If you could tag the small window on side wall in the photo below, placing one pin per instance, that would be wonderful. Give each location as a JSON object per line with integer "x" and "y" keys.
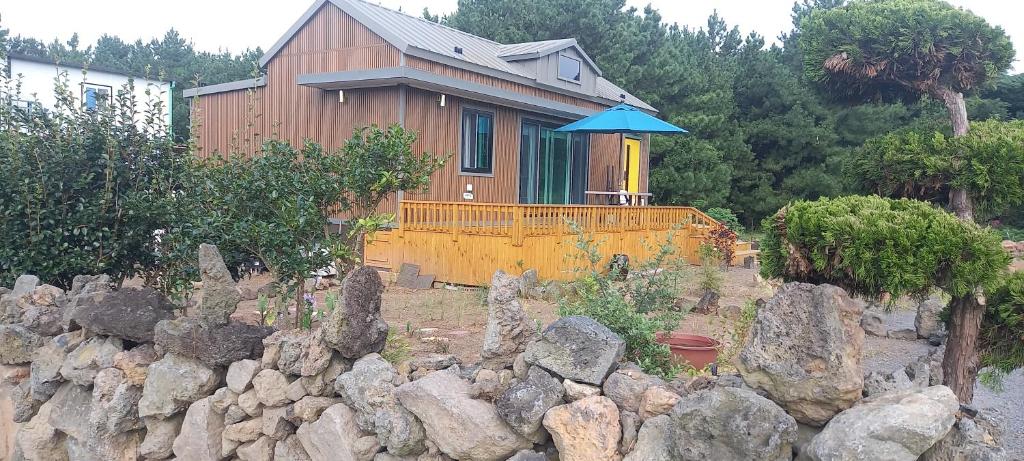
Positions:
{"x": 477, "y": 141}
{"x": 569, "y": 68}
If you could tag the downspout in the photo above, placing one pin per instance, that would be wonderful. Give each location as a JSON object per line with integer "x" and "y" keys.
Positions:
{"x": 170, "y": 110}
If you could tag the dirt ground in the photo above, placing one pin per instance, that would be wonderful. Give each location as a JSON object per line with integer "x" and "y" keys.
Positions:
{"x": 452, "y": 319}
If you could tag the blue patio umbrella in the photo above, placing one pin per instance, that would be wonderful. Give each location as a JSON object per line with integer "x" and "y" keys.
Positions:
{"x": 622, "y": 118}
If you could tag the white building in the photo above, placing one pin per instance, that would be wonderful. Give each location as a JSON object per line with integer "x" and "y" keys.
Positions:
{"x": 96, "y": 86}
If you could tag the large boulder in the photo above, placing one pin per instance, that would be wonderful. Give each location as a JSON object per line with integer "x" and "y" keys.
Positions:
{"x": 508, "y": 328}
{"x": 220, "y": 295}
{"x": 89, "y": 437}
{"x": 585, "y": 430}
{"x": 115, "y": 403}
{"x": 96, "y": 353}
{"x": 626, "y": 387}
{"x": 928, "y": 321}
{"x": 302, "y": 353}
{"x": 523, "y": 404}
{"x": 129, "y": 313}
{"x": 971, "y": 439}
{"x": 462, "y": 427}
{"x": 332, "y": 437}
{"x": 17, "y": 344}
{"x": 201, "y": 433}
{"x": 42, "y": 311}
{"x": 173, "y": 383}
{"x": 727, "y": 423}
{"x": 369, "y": 389}
{"x": 896, "y": 426}
{"x": 805, "y": 351}
{"x": 214, "y": 346}
{"x": 577, "y": 348}
{"x": 355, "y": 327}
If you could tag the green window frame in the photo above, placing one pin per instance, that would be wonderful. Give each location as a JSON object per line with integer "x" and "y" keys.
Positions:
{"x": 477, "y": 151}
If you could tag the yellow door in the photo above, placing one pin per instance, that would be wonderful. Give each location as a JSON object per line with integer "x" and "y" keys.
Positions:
{"x": 631, "y": 165}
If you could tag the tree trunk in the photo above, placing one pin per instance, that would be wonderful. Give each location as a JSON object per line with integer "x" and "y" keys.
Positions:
{"x": 300, "y": 300}
{"x": 960, "y": 202}
{"x": 960, "y": 363}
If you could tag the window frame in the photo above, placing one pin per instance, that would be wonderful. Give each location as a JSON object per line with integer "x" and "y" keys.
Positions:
{"x": 478, "y": 112}
{"x": 579, "y": 73}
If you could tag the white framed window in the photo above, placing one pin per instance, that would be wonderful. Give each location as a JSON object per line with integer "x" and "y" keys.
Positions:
{"x": 569, "y": 68}
{"x": 477, "y": 142}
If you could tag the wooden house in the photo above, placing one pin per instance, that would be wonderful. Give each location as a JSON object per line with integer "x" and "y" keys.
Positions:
{"x": 504, "y": 198}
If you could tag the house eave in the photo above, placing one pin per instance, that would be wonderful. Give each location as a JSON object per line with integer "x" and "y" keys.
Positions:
{"x": 225, "y": 87}
{"x": 393, "y": 76}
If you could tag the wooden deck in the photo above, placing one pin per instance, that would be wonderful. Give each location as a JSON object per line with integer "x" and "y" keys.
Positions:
{"x": 465, "y": 243}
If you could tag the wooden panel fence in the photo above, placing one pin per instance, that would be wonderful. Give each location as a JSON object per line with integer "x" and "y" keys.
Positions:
{"x": 466, "y": 242}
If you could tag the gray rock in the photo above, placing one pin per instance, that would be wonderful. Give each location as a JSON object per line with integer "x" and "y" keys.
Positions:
{"x": 250, "y": 403}
{"x": 731, "y": 424}
{"x": 220, "y": 294}
{"x": 115, "y": 403}
{"x": 804, "y": 351}
{"x": 160, "y": 434}
{"x": 877, "y": 382}
{"x": 24, "y": 285}
{"x": 245, "y": 431}
{"x": 309, "y": 409}
{"x": 17, "y": 344}
{"x": 296, "y": 391}
{"x": 302, "y": 353}
{"x": 928, "y": 321}
{"x": 906, "y": 334}
{"x": 72, "y": 407}
{"x": 275, "y": 423}
{"x": 81, "y": 364}
{"x": 654, "y": 441}
{"x": 333, "y": 436}
{"x": 173, "y": 383}
{"x": 88, "y": 283}
{"x": 462, "y": 427}
{"x": 222, "y": 399}
{"x": 508, "y": 328}
{"x": 899, "y": 425}
{"x": 25, "y": 407}
{"x": 201, "y": 433}
{"x": 129, "y": 313}
{"x": 873, "y": 323}
{"x": 585, "y": 430}
{"x": 369, "y": 389}
{"x": 528, "y": 455}
{"x": 262, "y": 449}
{"x": 45, "y": 375}
{"x": 626, "y": 387}
{"x": 214, "y": 346}
{"x": 45, "y": 319}
{"x": 971, "y": 439}
{"x": 356, "y": 327}
{"x": 290, "y": 449}
{"x": 271, "y": 388}
{"x": 577, "y": 348}
{"x": 240, "y": 374}
{"x": 575, "y": 391}
{"x": 523, "y": 405}
{"x": 234, "y": 414}
{"x": 433, "y": 362}
{"x": 630, "y": 423}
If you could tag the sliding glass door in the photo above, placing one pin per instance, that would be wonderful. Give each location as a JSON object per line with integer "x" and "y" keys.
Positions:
{"x": 552, "y": 165}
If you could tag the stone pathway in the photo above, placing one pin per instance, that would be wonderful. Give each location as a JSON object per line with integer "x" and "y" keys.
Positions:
{"x": 884, "y": 354}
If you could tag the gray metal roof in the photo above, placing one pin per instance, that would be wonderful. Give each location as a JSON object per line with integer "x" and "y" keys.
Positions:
{"x": 427, "y": 39}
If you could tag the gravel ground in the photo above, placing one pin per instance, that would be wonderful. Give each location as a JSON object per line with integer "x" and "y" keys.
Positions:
{"x": 1006, "y": 406}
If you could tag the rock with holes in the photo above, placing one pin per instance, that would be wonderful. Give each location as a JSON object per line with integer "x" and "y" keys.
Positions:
{"x": 201, "y": 433}
{"x": 523, "y": 405}
{"x": 220, "y": 295}
{"x": 805, "y": 351}
{"x": 577, "y": 348}
{"x": 369, "y": 389}
{"x": 130, "y": 313}
{"x": 17, "y": 344}
{"x": 81, "y": 364}
{"x": 508, "y": 328}
{"x": 214, "y": 346}
{"x": 356, "y": 328}
{"x": 38, "y": 440}
{"x": 731, "y": 424}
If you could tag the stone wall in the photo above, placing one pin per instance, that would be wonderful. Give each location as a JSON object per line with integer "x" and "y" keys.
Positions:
{"x": 96, "y": 373}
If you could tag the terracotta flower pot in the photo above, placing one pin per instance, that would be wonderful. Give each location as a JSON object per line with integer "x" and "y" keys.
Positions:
{"x": 697, "y": 350}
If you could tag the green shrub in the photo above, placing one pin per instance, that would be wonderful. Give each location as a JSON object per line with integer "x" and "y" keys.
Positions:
{"x": 83, "y": 191}
{"x": 1002, "y": 338}
{"x": 396, "y": 348}
{"x": 637, "y": 309}
{"x": 726, "y": 217}
{"x": 873, "y": 246}
{"x": 709, "y": 274}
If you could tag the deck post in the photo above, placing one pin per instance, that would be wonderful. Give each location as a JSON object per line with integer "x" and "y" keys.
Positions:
{"x": 517, "y": 225}
{"x": 456, "y": 225}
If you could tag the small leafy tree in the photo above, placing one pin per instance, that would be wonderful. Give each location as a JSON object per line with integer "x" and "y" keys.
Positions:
{"x": 83, "y": 191}
{"x": 726, "y": 218}
{"x": 378, "y": 163}
{"x": 884, "y": 248}
{"x": 1002, "y": 339}
{"x": 906, "y": 49}
{"x": 987, "y": 162}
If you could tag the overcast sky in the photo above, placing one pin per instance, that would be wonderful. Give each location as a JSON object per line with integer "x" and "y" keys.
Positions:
{"x": 238, "y": 24}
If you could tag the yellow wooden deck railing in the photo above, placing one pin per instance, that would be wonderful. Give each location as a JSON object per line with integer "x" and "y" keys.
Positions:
{"x": 521, "y": 221}
{"x": 466, "y": 242}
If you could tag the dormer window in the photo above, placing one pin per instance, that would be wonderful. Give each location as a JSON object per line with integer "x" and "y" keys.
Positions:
{"x": 569, "y": 68}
